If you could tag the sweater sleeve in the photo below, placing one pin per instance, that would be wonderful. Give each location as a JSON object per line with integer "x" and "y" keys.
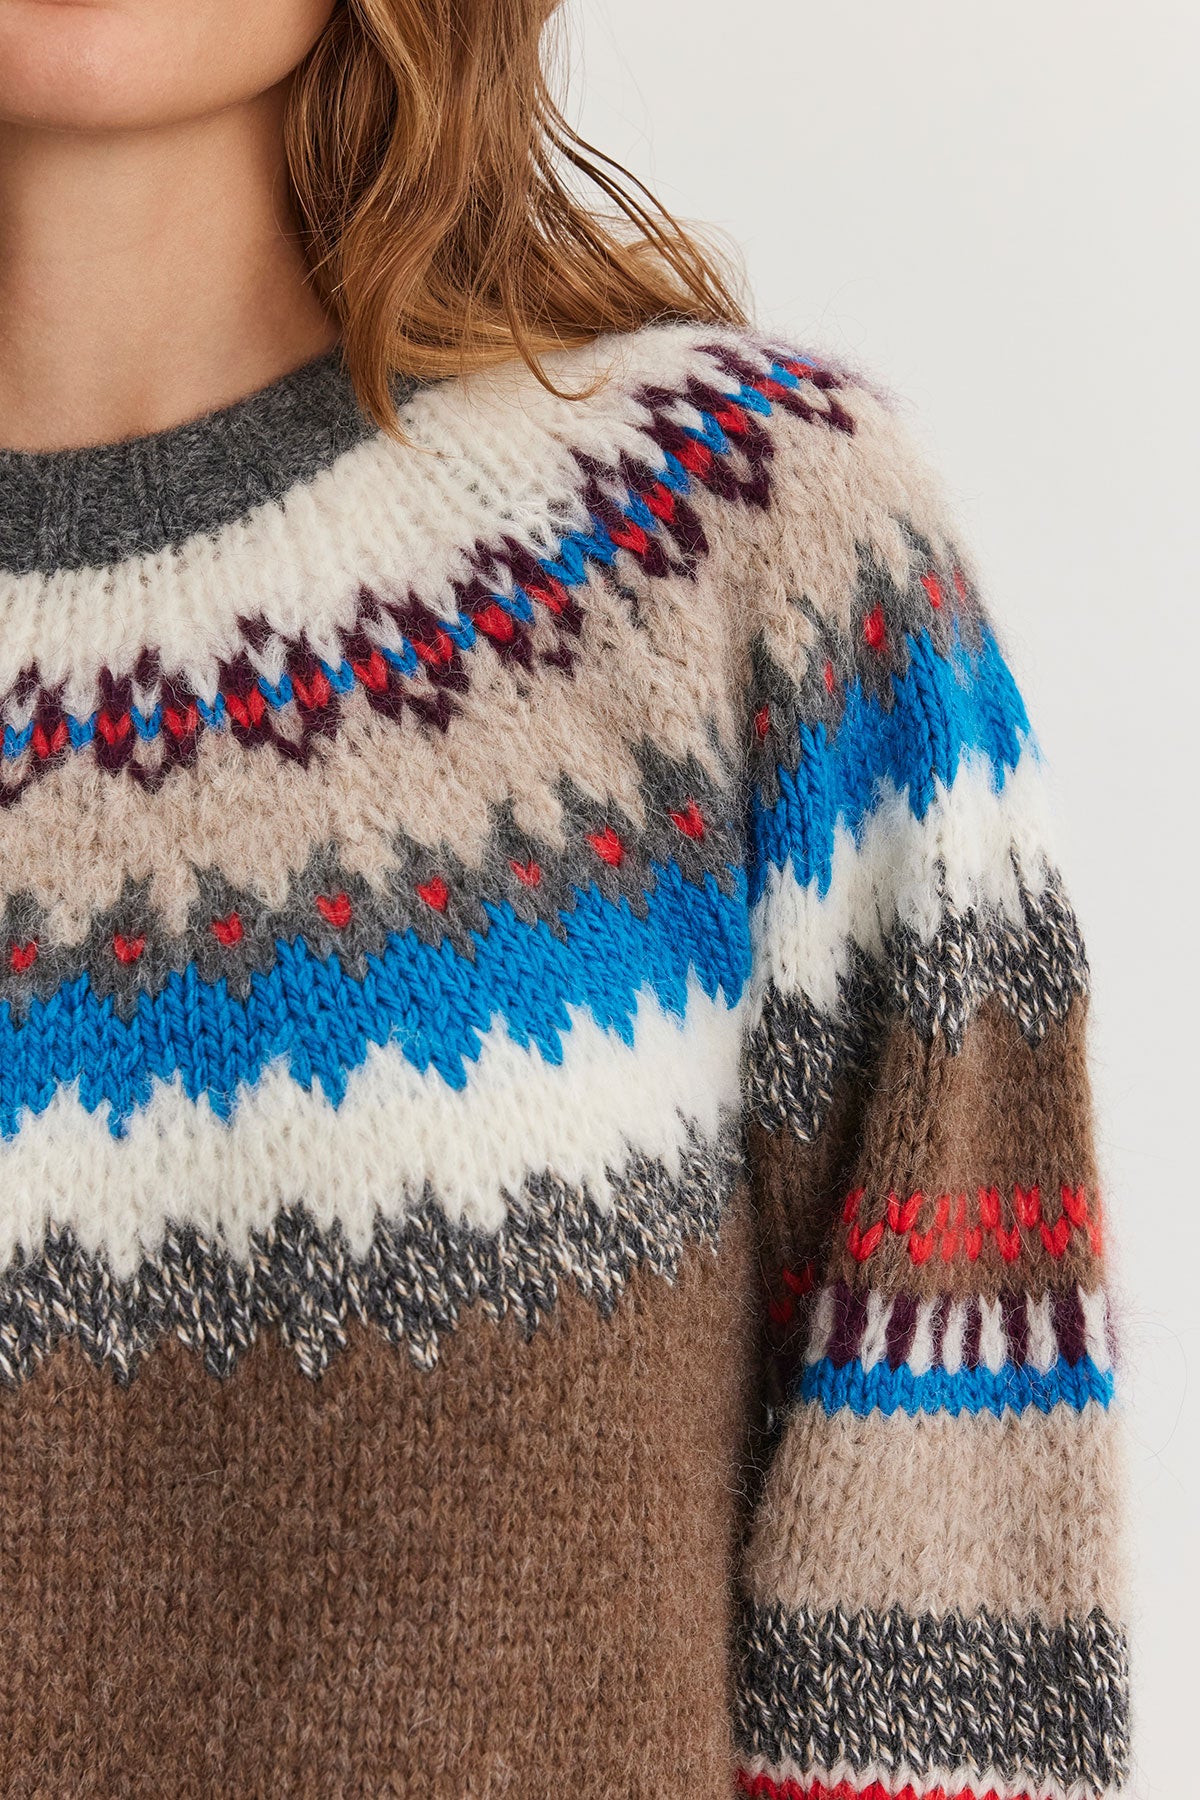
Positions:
{"x": 931, "y": 1591}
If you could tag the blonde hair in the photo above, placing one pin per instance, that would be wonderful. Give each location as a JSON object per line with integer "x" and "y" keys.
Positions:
{"x": 432, "y": 171}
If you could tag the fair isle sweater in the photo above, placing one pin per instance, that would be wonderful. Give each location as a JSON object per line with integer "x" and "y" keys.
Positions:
{"x": 550, "y": 1229}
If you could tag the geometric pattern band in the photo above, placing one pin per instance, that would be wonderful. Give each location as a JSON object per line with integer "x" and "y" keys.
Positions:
{"x": 418, "y": 1276}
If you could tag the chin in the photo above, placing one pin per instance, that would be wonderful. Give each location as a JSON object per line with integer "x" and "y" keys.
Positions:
{"x": 72, "y": 65}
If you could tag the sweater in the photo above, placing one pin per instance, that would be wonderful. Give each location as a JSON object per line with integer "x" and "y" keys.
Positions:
{"x": 549, "y": 1222}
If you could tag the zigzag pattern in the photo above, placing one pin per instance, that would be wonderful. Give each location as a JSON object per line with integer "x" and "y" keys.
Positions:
{"x": 636, "y": 745}
{"x": 1036, "y": 970}
{"x": 132, "y": 1014}
{"x": 943, "y": 708}
{"x": 232, "y": 935}
{"x": 131, "y": 1005}
{"x": 419, "y": 1276}
{"x": 409, "y": 656}
{"x": 1013, "y": 1388}
{"x": 310, "y": 1013}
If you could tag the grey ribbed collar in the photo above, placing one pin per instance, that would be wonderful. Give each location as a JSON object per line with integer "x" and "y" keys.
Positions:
{"x": 72, "y": 509}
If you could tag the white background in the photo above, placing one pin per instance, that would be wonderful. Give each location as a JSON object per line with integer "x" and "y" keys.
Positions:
{"x": 994, "y": 208}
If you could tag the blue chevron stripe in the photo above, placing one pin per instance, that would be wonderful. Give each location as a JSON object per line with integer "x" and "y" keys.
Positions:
{"x": 942, "y": 709}
{"x": 1013, "y": 1388}
{"x": 435, "y": 1002}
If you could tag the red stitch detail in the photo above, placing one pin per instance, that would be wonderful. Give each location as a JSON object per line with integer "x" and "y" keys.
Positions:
{"x": 49, "y": 746}
{"x": 762, "y": 722}
{"x": 23, "y": 956}
{"x": 904, "y": 1217}
{"x": 372, "y": 674}
{"x": 1009, "y": 1242}
{"x": 696, "y": 457}
{"x": 933, "y": 588}
{"x": 952, "y": 1234}
{"x": 495, "y": 622}
{"x": 229, "y": 930}
{"x": 800, "y": 1280}
{"x": 312, "y": 694}
{"x": 874, "y": 628}
{"x": 1056, "y": 1240}
{"x": 780, "y": 1312}
{"x": 830, "y": 678}
{"x": 772, "y": 390}
{"x": 440, "y": 651}
{"x": 608, "y": 846}
{"x": 920, "y": 1245}
{"x": 765, "y": 1787}
{"x": 864, "y": 1244}
{"x": 630, "y": 537}
{"x": 127, "y": 950}
{"x": 435, "y": 893}
{"x": 183, "y": 724}
{"x": 1095, "y": 1231}
{"x": 731, "y": 418}
{"x": 247, "y": 711}
{"x": 553, "y": 596}
{"x": 960, "y": 584}
{"x": 690, "y": 821}
{"x": 661, "y": 502}
{"x": 529, "y": 873}
{"x": 113, "y": 730}
{"x": 989, "y": 1208}
{"x": 336, "y": 908}
{"x": 1075, "y": 1204}
{"x": 1029, "y": 1204}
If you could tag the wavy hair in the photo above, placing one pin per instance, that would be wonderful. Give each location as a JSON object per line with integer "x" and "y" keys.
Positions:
{"x": 439, "y": 194}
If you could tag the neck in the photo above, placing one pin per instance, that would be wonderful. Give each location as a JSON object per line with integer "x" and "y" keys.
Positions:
{"x": 146, "y": 278}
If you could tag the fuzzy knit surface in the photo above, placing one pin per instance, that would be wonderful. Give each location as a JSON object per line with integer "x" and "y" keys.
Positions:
{"x": 550, "y": 1238}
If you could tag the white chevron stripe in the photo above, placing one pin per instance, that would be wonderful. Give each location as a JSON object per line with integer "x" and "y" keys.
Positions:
{"x": 904, "y": 870}
{"x": 397, "y": 1134}
{"x": 394, "y": 518}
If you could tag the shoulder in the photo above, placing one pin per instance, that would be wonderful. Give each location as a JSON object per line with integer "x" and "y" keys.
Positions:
{"x": 788, "y": 455}
{"x": 780, "y": 496}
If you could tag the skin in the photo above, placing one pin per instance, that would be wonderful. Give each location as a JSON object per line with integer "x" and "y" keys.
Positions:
{"x": 149, "y": 264}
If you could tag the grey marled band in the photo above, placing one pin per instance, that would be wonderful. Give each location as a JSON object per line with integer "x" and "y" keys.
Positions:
{"x": 419, "y": 1275}
{"x": 73, "y": 509}
{"x": 985, "y": 1692}
{"x": 1035, "y": 969}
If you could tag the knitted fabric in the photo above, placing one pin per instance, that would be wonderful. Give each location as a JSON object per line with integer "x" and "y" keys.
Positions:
{"x": 550, "y": 1236}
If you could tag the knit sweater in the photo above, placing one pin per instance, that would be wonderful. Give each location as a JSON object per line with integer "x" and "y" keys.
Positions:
{"x": 549, "y": 1226}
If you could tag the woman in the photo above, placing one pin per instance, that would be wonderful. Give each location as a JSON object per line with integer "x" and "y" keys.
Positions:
{"x": 550, "y": 1230}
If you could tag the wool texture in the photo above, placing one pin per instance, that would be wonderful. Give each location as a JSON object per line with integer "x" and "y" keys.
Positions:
{"x": 551, "y": 1238}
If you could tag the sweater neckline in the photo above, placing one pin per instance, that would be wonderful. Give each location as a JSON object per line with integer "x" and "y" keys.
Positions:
{"x": 92, "y": 507}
